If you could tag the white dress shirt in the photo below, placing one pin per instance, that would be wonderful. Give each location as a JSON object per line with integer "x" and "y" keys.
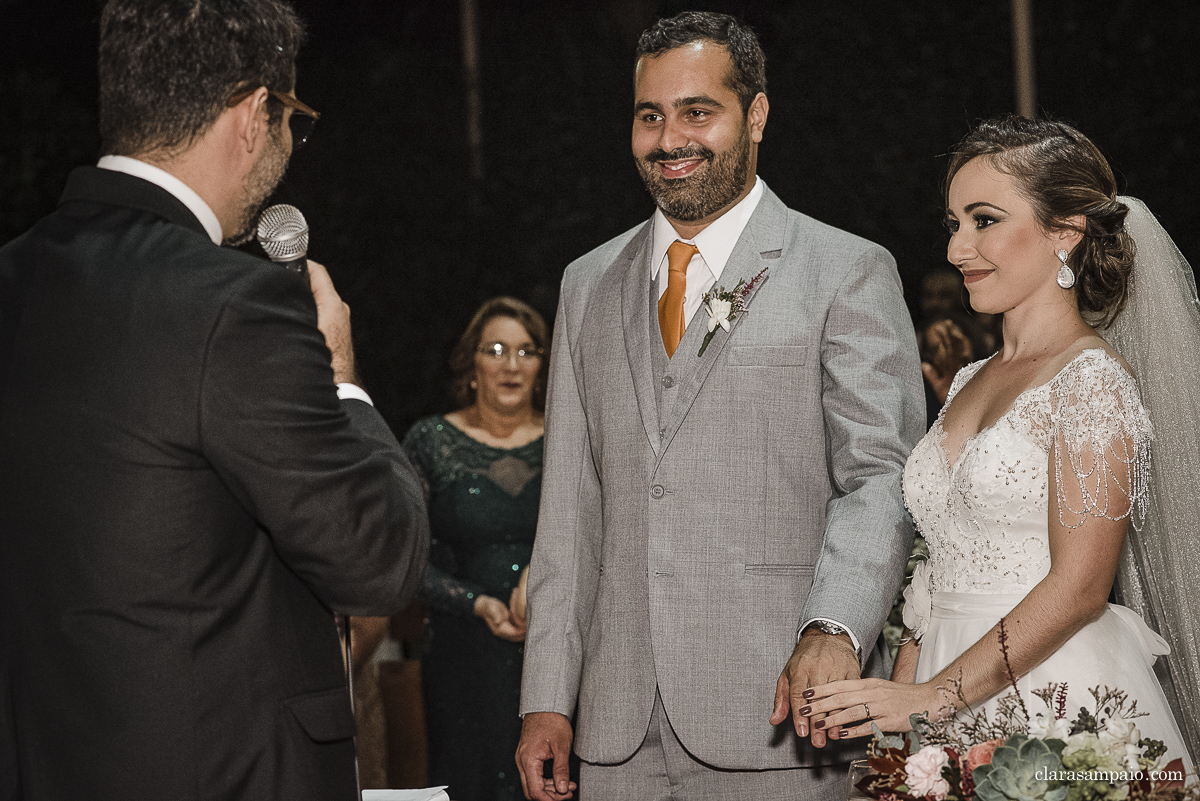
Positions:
{"x": 715, "y": 243}
{"x": 204, "y": 213}
{"x": 160, "y": 177}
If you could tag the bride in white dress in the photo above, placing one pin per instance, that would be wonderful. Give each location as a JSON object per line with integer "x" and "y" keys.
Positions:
{"x": 1025, "y": 485}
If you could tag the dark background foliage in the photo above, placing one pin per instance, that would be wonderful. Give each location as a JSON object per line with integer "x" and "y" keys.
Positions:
{"x": 866, "y": 98}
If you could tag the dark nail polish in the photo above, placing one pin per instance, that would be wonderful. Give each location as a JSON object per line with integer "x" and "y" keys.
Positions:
{"x": 818, "y": 724}
{"x": 806, "y": 710}
{"x": 845, "y": 733}
{"x": 809, "y": 693}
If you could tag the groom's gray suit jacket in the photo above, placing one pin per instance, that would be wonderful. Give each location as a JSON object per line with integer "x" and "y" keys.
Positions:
{"x": 696, "y": 510}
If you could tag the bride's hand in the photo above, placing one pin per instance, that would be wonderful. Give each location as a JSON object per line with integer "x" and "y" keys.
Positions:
{"x": 850, "y": 707}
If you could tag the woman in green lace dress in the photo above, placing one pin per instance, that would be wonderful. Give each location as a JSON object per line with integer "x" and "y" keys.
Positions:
{"x": 483, "y": 467}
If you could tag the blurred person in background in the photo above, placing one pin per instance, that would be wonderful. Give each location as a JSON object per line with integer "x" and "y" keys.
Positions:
{"x": 945, "y": 347}
{"x": 944, "y": 350}
{"x": 941, "y": 295}
{"x": 483, "y": 467}
{"x": 950, "y": 335}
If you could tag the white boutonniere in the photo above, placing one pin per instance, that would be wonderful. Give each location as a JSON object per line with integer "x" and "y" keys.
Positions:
{"x": 718, "y": 314}
{"x": 724, "y": 305}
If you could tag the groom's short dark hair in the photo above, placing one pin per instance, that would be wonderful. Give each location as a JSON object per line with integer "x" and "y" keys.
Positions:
{"x": 748, "y": 75}
{"x": 168, "y": 67}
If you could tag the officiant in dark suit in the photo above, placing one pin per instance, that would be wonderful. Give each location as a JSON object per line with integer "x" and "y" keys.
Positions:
{"x": 191, "y": 481}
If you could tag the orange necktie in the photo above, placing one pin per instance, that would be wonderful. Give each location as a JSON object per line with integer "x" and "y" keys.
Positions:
{"x": 670, "y": 305}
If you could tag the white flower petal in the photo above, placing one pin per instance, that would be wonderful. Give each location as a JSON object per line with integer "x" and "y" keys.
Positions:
{"x": 725, "y": 325}
{"x": 918, "y": 601}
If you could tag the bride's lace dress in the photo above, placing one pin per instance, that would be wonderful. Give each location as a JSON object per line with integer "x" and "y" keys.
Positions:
{"x": 985, "y": 517}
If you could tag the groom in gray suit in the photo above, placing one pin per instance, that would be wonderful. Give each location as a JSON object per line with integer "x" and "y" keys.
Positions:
{"x": 721, "y": 520}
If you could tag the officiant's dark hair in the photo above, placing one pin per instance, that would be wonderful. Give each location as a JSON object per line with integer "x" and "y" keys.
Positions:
{"x": 1063, "y": 175}
{"x": 748, "y": 75}
{"x": 168, "y": 67}
{"x": 462, "y": 357}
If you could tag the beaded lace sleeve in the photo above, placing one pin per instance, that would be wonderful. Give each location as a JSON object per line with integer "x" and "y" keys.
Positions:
{"x": 1099, "y": 441}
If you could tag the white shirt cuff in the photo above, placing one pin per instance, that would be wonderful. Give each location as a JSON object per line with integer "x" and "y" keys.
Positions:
{"x": 355, "y": 392}
{"x": 853, "y": 639}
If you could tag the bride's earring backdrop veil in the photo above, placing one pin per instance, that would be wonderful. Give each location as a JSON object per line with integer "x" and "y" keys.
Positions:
{"x": 1158, "y": 333}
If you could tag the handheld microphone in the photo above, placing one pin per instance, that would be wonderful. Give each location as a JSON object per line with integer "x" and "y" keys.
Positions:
{"x": 283, "y": 234}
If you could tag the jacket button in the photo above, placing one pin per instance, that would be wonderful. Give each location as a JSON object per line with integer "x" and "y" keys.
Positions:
{"x": 668, "y": 381}
{"x": 657, "y": 491}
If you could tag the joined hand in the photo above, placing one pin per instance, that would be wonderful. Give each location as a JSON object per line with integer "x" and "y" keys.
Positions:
{"x": 818, "y": 658}
{"x": 850, "y": 707}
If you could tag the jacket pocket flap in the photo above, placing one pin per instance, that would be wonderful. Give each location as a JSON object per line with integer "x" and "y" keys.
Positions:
{"x": 325, "y": 716}
{"x": 779, "y": 570}
{"x": 768, "y": 355}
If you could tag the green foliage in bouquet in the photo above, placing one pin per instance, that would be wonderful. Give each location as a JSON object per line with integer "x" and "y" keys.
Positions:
{"x": 1016, "y": 768}
{"x": 908, "y": 742}
{"x": 1087, "y": 760}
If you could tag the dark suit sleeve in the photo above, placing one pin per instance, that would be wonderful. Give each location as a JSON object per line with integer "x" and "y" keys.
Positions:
{"x": 325, "y": 478}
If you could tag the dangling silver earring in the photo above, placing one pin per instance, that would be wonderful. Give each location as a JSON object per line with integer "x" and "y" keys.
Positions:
{"x": 1066, "y": 278}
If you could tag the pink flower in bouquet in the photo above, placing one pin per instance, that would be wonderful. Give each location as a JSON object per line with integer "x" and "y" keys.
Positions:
{"x": 980, "y": 754}
{"x": 924, "y": 770}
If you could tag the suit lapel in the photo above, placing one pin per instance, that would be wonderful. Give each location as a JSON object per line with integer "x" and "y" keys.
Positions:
{"x": 635, "y": 287}
{"x": 759, "y": 246}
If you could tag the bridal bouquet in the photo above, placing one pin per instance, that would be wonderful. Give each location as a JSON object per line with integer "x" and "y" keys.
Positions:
{"x": 1098, "y": 755}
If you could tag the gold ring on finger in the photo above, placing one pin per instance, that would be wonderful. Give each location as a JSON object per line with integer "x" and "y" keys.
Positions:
{"x": 867, "y": 709}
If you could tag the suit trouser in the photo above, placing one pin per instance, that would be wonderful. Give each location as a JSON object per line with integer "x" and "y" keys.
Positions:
{"x": 662, "y": 769}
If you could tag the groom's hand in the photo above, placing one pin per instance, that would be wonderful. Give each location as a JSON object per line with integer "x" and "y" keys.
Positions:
{"x": 817, "y": 658}
{"x": 545, "y": 737}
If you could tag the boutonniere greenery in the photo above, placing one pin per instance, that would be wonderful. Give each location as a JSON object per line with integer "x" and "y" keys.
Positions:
{"x": 724, "y": 305}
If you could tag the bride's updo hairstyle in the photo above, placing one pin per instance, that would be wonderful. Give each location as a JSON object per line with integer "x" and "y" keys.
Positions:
{"x": 1062, "y": 175}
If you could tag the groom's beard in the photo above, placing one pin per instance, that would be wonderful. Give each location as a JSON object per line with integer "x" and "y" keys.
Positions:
{"x": 709, "y": 188}
{"x": 264, "y": 177}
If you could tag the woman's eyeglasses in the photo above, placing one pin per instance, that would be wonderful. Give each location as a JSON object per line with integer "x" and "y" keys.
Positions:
{"x": 498, "y": 351}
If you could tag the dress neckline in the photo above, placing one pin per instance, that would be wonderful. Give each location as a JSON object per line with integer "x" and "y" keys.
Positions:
{"x": 463, "y": 434}
{"x": 940, "y": 441}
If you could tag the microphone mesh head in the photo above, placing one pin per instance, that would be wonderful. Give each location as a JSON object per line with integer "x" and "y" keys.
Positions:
{"x": 283, "y": 233}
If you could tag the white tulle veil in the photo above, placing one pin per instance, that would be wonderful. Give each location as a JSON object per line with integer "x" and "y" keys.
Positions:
{"x": 1158, "y": 333}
